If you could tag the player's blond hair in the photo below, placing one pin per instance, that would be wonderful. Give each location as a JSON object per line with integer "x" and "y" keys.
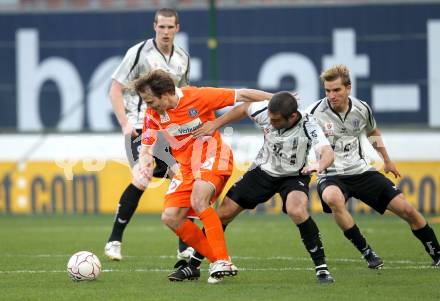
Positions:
{"x": 335, "y": 72}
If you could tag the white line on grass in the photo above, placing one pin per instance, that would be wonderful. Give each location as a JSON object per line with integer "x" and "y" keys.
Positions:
{"x": 255, "y": 258}
{"x": 241, "y": 270}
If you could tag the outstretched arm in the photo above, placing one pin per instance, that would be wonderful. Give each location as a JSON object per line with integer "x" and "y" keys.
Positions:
{"x": 376, "y": 141}
{"x": 252, "y": 95}
{"x": 236, "y": 113}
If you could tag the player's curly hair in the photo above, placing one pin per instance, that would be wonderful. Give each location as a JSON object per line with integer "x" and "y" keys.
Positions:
{"x": 284, "y": 103}
{"x": 158, "y": 82}
{"x": 335, "y": 72}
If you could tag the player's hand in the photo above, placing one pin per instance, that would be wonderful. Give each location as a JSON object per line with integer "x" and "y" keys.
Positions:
{"x": 391, "y": 167}
{"x": 310, "y": 168}
{"x": 207, "y": 129}
{"x": 128, "y": 129}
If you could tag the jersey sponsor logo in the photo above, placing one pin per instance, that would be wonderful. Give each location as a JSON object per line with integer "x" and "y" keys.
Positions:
{"x": 184, "y": 129}
{"x": 164, "y": 117}
{"x": 193, "y": 112}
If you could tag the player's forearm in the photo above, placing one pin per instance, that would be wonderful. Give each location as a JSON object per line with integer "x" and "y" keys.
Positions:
{"x": 376, "y": 141}
{"x": 117, "y": 100}
{"x": 252, "y": 95}
{"x": 234, "y": 114}
{"x": 326, "y": 157}
{"x": 145, "y": 157}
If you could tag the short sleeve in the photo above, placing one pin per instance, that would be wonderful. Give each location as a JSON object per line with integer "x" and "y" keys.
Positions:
{"x": 149, "y": 130}
{"x": 370, "y": 121}
{"x": 218, "y": 98}
{"x": 315, "y": 133}
{"x": 257, "y": 111}
{"x": 123, "y": 72}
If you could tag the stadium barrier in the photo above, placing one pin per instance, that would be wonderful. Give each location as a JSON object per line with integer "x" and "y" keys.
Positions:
{"x": 43, "y": 187}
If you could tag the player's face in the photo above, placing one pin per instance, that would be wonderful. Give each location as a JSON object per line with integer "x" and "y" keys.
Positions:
{"x": 279, "y": 122}
{"x": 337, "y": 94}
{"x": 166, "y": 29}
{"x": 157, "y": 104}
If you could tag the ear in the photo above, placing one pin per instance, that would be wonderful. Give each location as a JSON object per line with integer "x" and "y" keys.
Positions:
{"x": 177, "y": 27}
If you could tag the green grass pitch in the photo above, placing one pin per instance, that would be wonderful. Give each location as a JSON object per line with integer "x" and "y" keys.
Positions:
{"x": 267, "y": 249}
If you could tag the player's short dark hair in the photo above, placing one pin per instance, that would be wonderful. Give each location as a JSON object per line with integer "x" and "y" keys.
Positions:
{"x": 284, "y": 103}
{"x": 158, "y": 82}
{"x": 335, "y": 72}
{"x": 166, "y": 12}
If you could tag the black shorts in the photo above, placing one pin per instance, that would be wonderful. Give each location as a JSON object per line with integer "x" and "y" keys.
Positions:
{"x": 133, "y": 147}
{"x": 371, "y": 187}
{"x": 256, "y": 187}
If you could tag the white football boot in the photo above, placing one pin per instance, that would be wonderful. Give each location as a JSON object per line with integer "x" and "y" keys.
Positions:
{"x": 222, "y": 268}
{"x": 113, "y": 250}
{"x": 186, "y": 254}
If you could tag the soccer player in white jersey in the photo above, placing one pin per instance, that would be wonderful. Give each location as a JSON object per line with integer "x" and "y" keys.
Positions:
{"x": 157, "y": 53}
{"x": 344, "y": 119}
{"x": 280, "y": 167}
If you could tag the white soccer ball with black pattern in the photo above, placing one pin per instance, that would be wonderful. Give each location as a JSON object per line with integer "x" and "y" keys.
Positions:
{"x": 83, "y": 265}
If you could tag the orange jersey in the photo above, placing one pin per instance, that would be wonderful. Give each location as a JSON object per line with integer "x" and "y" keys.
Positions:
{"x": 195, "y": 106}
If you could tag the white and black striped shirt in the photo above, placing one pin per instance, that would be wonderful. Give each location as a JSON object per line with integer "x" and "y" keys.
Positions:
{"x": 284, "y": 152}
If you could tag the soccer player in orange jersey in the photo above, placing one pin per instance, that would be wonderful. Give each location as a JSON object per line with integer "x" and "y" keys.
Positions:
{"x": 204, "y": 164}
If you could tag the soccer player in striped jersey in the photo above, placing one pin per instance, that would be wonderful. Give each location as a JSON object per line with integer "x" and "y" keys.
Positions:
{"x": 159, "y": 52}
{"x": 344, "y": 119}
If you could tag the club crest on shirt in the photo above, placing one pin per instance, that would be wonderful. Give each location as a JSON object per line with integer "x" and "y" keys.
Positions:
{"x": 164, "y": 117}
{"x": 329, "y": 129}
{"x": 193, "y": 112}
{"x": 356, "y": 123}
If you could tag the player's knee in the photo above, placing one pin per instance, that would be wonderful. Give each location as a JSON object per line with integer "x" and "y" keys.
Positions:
{"x": 199, "y": 204}
{"x": 334, "y": 199}
{"x": 297, "y": 213}
{"x": 171, "y": 221}
{"x": 227, "y": 211}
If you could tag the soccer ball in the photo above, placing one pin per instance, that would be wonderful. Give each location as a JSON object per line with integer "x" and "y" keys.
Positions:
{"x": 83, "y": 265}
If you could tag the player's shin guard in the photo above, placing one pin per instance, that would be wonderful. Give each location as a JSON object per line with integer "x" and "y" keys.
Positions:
{"x": 127, "y": 206}
{"x": 427, "y": 237}
{"x": 358, "y": 240}
{"x": 312, "y": 241}
{"x": 197, "y": 258}
{"x": 214, "y": 233}
{"x": 193, "y": 236}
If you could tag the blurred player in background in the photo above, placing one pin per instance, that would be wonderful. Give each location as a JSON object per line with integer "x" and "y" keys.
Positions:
{"x": 344, "y": 119}
{"x": 280, "y": 167}
{"x": 129, "y": 109}
{"x": 204, "y": 165}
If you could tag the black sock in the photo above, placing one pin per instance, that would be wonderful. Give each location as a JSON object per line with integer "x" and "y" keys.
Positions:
{"x": 312, "y": 241}
{"x": 182, "y": 245}
{"x": 355, "y": 236}
{"x": 197, "y": 258}
{"x": 427, "y": 237}
{"x": 127, "y": 206}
